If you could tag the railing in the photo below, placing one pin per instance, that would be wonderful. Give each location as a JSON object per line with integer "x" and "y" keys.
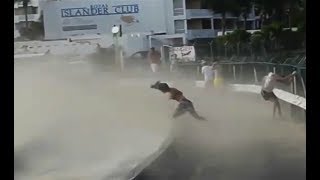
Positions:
{"x": 178, "y": 11}
{"x": 230, "y": 15}
{"x": 200, "y": 33}
{"x": 198, "y": 13}
{"x": 178, "y": 31}
{"x": 253, "y": 73}
{"x": 207, "y": 13}
{"x": 31, "y": 17}
{"x": 249, "y": 75}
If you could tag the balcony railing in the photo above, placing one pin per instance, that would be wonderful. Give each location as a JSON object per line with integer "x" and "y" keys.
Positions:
{"x": 200, "y": 33}
{"x": 179, "y": 31}
{"x": 31, "y": 17}
{"x": 207, "y": 13}
{"x": 198, "y": 13}
{"x": 178, "y": 11}
{"x": 230, "y": 15}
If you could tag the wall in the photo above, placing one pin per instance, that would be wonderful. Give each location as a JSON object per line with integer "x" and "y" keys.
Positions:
{"x": 144, "y": 16}
{"x": 169, "y": 16}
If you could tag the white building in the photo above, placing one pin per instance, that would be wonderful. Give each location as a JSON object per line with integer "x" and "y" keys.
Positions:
{"x": 158, "y": 22}
{"x": 19, "y": 13}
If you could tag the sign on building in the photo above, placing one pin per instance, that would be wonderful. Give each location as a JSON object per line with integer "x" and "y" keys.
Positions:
{"x": 63, "y": 19}
{"x": 182, "y": 54}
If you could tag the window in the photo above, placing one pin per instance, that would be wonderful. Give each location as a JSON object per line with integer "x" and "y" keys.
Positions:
{"x": 178, "y": 8}
{"x": 193, "y": 4}
{"x": 230, "y": 23}
{"x": 179, "y": 26}
{"x": 217, "y": 24}
{"x": 206, "y": 24}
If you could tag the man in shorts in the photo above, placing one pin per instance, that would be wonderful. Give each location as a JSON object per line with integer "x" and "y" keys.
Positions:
{"x": 154, "y": 58}
{"x": 268, "y": 84}
{"x": 184, "y": 106}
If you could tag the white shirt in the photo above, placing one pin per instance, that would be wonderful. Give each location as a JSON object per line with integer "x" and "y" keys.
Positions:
{"x": 268, "y": 82}
{"x": 207, "y": 72}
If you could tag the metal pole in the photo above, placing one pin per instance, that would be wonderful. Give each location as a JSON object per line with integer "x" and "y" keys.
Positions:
{"x": 294, "y": 91}
{"x": 116, "y": 49}
{"x": 274, "y": 69}
{"x": 150, "y": 41}
{"x": 294, "y": 85}
{"x": 234, "y": 72}
{"x": 121, "y": 59}
{"x": 255, "y": 75}
{"x": 241, "y": 72}
{"x": 303, "y": 86}
{"x": 211, "y": 51}
{"x": 225, "y": 51}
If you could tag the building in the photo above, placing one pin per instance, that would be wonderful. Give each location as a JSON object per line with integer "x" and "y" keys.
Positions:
{"x": 195, "y": 22}
{"x": 145, "y": 23}
{"x": 34, "y": 14}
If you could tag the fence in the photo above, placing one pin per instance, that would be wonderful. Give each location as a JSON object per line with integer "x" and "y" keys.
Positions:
{"x": 252, "y": 73}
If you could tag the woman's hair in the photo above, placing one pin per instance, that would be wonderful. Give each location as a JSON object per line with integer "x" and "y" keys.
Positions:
{"x": 164, "y": 87}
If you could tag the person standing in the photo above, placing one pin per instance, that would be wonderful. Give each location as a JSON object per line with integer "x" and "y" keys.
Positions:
{"x": 154, "y": 59}
{"x": 208, "y": 73}
{"x": 218, "y": 79}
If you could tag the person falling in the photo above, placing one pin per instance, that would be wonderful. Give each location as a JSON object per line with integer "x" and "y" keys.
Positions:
{"x": 184, "y": 106}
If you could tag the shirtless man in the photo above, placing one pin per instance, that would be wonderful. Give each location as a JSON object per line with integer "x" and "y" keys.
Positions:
{"x": 268, "y": 83}
{"x": 184, "y": 106}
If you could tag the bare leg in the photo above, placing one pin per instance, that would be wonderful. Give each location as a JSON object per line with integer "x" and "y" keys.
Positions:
{"x": 276, "y": 106}
{"x": 178, "y": 112}
{"x": 279, "y": 108}
{"x": 184, "y": 107}
{"x": 194, "y": 114}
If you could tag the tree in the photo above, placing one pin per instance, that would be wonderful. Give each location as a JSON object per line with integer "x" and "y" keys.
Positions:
{"x": 222, "y": 6}
{"x": 245, "y": 9}
{"x": 241, "y": 37}
{"x": 258, "y": 42}
{"x": 25, "y": 7}
{"x": 273, "y": 33}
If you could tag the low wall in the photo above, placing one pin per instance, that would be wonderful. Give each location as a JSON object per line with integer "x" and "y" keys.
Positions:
{"x": 283, "y": 95}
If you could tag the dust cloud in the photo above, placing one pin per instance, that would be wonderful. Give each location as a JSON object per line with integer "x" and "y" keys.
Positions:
{"x": 73, "y": 121}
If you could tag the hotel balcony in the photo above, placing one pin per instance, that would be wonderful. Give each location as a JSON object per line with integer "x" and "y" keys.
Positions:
{"x": 200, "y": 33}
{"x": 198, "y": 13}
{"x": 31, "y": 17}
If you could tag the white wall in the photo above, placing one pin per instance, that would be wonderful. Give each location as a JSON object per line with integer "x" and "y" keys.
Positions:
{"x": 151, "y": 16}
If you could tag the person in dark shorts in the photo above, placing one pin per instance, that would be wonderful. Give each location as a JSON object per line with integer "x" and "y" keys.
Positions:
{"x": 268, "y": 84}
{"x": 185, "y": 105}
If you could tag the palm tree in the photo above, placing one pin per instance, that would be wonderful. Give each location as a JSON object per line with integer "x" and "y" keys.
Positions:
{"x": 245, "y": 8}
{"x": 25, "y": 7}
